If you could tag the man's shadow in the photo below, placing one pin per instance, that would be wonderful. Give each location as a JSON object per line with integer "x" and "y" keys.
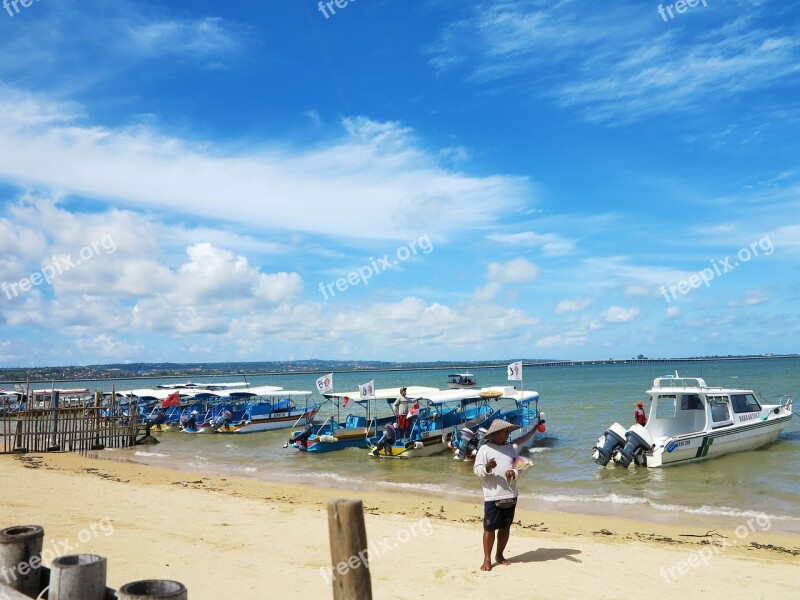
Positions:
{"x": 544, "y": 554}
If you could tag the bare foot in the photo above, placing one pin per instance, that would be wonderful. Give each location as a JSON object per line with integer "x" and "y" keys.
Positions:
{"x": 487, "y": 565}
{"x": 502, "y": 560}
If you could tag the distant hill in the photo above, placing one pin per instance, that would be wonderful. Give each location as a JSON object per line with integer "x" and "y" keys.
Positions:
{"x": 193, "y": 370}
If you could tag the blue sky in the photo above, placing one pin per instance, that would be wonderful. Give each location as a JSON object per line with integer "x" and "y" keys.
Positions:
{"x": 425, "y": 180}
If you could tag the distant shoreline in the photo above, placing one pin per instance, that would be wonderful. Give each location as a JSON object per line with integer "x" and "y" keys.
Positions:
{"x": 406, "y": 367}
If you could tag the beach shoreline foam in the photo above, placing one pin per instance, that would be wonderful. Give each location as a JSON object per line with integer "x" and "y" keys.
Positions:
{"x": 238, "y": 537}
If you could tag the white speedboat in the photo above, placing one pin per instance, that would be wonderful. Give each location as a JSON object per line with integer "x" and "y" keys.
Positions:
{"x": 461, "y": 381}
{"x": 690, "y": 421}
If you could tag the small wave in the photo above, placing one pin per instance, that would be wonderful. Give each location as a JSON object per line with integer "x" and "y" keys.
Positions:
{"x": 334, "y": 476}
{"x": 607, "y": 499}
{"x": 724, "y": 511}
{"x": 428, "y": 487}
{"x": 538, "y": 450}
{"x": 142, "y": 453}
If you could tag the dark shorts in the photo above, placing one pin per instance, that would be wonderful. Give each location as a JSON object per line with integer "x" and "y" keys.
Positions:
{"x": 402, "y": 421}
{"x": 495, "y": 517}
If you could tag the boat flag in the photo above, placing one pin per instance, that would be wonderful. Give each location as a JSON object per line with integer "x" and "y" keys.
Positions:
{"x": 325, "y": 383}
{"x": 367, "y": 390}
{"x": 515, "y": 371}
{"x": 174, "y": 399}
{"x": 414, "y": 410}
{"x": 346, "y": 400}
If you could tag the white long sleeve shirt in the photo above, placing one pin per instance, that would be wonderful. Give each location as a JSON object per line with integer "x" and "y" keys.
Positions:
{"x": 495, "y": 484}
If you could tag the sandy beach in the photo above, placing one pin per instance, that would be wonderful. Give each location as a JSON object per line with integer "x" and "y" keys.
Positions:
{"x": 229, "y": 537}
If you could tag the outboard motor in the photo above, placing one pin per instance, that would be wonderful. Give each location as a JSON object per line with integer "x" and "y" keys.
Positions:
{"x": 302, "y": 437}
{"x": 389, "y": 436}
{"x": 638, "y": 440}
{"x": 609, "y": 442}
{"x": 225, "y": 418}
{"x": 467, "y": 442}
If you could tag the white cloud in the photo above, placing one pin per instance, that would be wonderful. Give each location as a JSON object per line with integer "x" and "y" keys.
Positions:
{"x": 573, "y": 305}
{"x": 323, "y": 190}
{"x": 673, "y": 312}
{"x": 619, "y": 64}
{"x": 517, "y": 270}
{"x": 619, "y": 314}
{"x": 550, "y": 243}
{"x": 752, "y": 298}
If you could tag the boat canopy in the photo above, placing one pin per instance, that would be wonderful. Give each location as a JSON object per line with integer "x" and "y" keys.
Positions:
{"x": 384, "y": 393}
{"x": 461, "y": 375}
{"x": 444, "y": 396}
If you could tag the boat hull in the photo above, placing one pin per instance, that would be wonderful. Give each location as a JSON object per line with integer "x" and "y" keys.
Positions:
{"x": 716, "y": 443}
{"x": 351, "y": 438}
{"x": 428, "y": 443}
{"x": 266, "y": 424}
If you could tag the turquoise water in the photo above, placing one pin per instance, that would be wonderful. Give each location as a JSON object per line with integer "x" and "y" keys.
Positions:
{"x": 579, "y": 403}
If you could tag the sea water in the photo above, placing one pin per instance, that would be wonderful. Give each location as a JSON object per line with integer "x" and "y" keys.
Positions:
{"x": 579, "y": 403}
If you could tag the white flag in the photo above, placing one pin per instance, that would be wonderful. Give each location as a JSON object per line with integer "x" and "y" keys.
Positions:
{"x": 515, "y": 371}
{"x": 325, "y": 383}
{"x": 367, "y": 390}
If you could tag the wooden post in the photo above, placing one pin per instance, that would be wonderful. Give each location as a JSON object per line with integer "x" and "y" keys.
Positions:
{"x": 349, "y": 554}
{"x": 20, "y": 558}
{"x": 78, "y": 577}
{"x": 153, "y": 588}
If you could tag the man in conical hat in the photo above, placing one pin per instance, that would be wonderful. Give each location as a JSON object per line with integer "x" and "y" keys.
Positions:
{"x": 494, "y": 464}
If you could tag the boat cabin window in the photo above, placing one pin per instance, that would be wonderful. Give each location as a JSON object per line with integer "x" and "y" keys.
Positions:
{"x": 665, "y": 408}
{"x": 691, "y": 402}
{"x": 720, "y": 413}
{"x": 745, "y": 403}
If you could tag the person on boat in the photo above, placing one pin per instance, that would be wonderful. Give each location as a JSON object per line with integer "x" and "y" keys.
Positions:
{"x": 401, "y": 410}
{"x": 191, "y": 422}
{"x": 639, "y": 414}
{"x": 159, "y": 418}
{"x": 494, "y": 465}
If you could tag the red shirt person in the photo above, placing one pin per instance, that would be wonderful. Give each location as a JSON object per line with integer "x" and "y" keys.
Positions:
{"x": 639, "y": 414}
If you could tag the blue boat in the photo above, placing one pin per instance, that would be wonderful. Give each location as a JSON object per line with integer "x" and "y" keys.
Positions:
{"x": 433, "y": 422}
{"x": 336, "y": 433}
{"x": 524, "y": 412}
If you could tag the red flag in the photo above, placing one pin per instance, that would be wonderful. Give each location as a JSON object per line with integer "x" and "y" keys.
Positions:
{"x": 414, "y": 410}
{"x": 346, "y": 400}
{"x": 174, "y": 399}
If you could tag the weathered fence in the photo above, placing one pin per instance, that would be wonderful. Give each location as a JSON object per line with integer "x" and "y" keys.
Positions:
{"x": 74, "y": 429}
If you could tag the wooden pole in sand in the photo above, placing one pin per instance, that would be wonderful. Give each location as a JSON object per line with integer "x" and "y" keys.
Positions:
{"x": 78, "y": 577}
{"x": 349, "y": 554}
{"x": 20, "y": 558}
{"x": 153, "y": 588}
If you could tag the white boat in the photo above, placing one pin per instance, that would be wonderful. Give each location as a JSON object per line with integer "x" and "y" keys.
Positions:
{"x": 690, "y": 421}
{"x": 461, "y": 381}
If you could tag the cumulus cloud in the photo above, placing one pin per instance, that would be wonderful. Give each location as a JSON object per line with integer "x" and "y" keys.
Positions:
{"x": 573, "y": 305}
{"x": 619, "y": 314}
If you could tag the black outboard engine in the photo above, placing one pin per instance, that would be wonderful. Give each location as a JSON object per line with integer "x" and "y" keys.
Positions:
{"x": 609, "y": 442}
{"x": 389, "y": 436}
{"x": 302, "y": 437}
{"x": 467, "y": 443}
{"x": 638, "y": 440}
